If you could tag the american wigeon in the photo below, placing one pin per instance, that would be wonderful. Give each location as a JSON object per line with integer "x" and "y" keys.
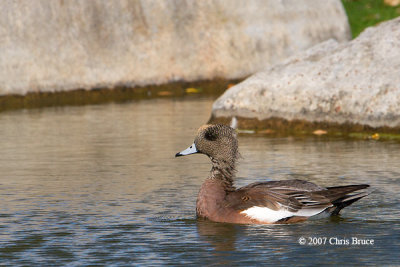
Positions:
{"x": 284, "y": 201}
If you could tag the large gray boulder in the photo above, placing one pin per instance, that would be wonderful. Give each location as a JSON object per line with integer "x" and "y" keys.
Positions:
{"x": 355, "y": 84}
{"x": 63, "y": 45}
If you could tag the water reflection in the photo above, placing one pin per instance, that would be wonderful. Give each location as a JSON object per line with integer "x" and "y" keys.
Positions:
{"x": 221, "y": 236}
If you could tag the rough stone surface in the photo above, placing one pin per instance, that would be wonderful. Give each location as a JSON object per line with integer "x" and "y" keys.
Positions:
{"x": 356, "y": 82}
{"x": 63, "y": 45}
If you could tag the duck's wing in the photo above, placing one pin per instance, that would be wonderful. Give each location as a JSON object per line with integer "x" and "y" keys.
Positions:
{"x": 291, "y": 195}
{"x": 295, "y": 184}
{"x": 278, "y": 200}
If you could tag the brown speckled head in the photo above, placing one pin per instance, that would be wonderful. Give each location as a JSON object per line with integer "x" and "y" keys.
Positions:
{"x": 217, "y": 141}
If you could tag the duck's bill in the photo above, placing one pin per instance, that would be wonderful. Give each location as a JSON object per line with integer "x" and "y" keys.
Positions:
{"x": 190, "y": 150}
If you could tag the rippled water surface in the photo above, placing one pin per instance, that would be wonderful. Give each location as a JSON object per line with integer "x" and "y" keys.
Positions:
{"x": 99, "y": 185}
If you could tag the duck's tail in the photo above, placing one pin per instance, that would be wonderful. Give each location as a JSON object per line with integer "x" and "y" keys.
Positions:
{"x": 341, "y": 196}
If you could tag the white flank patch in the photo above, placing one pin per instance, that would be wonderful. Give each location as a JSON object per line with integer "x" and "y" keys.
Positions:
{"x": 264, "y": 214}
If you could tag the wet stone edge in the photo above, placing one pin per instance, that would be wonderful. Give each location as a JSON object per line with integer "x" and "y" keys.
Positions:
{"x": 279, "y": 127}
{"x": 118, "y": 94}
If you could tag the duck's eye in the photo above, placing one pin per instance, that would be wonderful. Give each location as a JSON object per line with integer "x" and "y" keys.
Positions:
{"x": 210, "y": 136}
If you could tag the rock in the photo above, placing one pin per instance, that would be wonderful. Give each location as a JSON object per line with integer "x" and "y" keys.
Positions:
{"x": 355, "y": 84}
{"x": 51, "y": 46}
{"x": 391, "y": 2}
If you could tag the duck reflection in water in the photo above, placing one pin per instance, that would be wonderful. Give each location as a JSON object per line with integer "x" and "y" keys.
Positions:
{"x": 222, "y": 236}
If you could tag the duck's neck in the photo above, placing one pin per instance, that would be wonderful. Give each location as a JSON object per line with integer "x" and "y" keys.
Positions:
{"x": 214, "y": 190}
{"x": 223, "y": 171}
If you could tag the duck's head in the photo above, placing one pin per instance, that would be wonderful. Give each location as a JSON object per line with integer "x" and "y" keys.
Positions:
{"x": 217, "y": 141}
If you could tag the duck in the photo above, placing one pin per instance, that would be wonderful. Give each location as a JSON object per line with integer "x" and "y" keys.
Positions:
{"x": 267, "y": 202}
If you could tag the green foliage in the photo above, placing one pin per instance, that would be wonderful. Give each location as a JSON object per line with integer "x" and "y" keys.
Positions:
{"x": 366, "y": 13}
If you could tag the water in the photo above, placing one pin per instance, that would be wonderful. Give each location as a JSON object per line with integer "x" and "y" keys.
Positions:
{"x": 99, "y": 185}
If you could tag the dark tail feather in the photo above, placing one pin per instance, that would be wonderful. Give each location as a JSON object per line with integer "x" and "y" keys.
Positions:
{"x": 342, "y": 203}
{"x": 340, "y": 196}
